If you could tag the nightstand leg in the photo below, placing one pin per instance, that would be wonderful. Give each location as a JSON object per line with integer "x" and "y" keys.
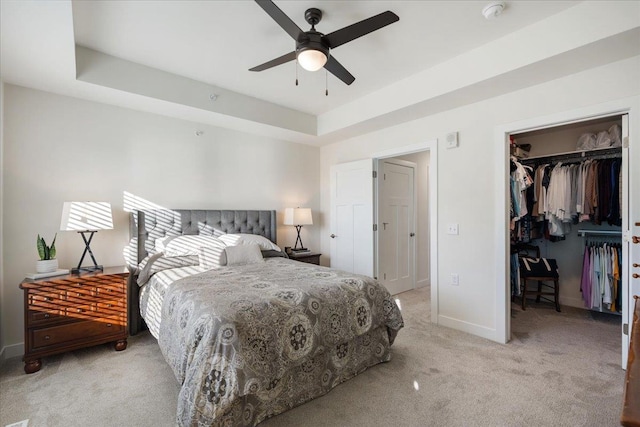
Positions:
{"x": 31, "y": 366}
{"x": 121, "y": 345}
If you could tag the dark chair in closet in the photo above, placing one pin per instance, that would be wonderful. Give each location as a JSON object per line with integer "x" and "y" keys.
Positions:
{"x": 544, "y": 271}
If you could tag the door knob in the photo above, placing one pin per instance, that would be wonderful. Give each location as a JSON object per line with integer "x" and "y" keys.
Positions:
{"x": 636, "y": 265}
{"x": 333, "y": 236}
{"x": 636, "y": 275}
{"x": 636, "y": 239}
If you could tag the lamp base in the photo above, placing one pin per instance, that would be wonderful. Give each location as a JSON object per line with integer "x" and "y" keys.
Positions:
{"x": 89, "y": 269}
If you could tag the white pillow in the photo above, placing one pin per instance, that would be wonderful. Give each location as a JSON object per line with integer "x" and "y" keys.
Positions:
{"x": 249, "y": 239}
{"x": 244, "y": 254}
{"x": 213, "y": 257}
{"x": 186, "y": 245}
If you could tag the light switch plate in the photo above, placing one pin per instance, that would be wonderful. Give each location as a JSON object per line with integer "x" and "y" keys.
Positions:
{"x": 455, "y": 279}
{"x": 452, "y": 229}
{"x": 452, "y": 140}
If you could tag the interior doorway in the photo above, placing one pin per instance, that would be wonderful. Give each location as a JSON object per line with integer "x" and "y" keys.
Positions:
{"x": 425, "y": 156}
{"x": 397, "y": 228}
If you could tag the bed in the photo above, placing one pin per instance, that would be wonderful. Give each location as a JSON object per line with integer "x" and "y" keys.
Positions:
{"x": 251, "y": 340}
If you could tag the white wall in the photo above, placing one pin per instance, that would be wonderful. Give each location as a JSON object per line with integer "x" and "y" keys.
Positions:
{"x": 466, "y": 179}
{"x": 421, "y": 159}
{"x": 60, "y": 149}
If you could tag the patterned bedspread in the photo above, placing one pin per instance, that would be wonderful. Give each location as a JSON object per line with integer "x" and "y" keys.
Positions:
{"x": 250, "y": 342}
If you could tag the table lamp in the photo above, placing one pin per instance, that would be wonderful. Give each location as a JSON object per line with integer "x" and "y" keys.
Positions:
{"x": 86, "y": 218}
{"x": 298, "y": 217}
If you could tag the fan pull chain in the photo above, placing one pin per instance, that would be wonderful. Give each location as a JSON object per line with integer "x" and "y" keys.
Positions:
{"x": 296, "y": 71}
{"x": 326, "y": 83}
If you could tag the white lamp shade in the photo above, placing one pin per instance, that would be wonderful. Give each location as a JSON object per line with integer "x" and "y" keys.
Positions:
{"x": 311, "y": 59}
{"x": 297, "y": 216}
{"x": 86, "y": 216}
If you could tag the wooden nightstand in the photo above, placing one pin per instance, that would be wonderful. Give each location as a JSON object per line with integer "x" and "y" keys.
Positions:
{"x": 308, "y": 257}
{"x": 65, "y": 313}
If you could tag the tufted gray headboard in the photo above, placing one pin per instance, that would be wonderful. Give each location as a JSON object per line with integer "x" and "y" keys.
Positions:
{"x": 146, "y": 226}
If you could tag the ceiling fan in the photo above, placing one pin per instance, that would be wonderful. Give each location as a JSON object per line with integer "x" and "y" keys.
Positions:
{"x": 312, "y": 47}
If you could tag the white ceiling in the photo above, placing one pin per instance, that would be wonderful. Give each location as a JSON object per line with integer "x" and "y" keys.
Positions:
{"x": 216, "y": 42}
{"x": 168, "y": 57}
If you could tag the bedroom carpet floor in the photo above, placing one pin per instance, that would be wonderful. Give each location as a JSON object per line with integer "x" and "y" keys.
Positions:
{"x": 560, "y": 369}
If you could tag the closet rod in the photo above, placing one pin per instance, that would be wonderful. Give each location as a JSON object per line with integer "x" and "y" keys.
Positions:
{"x": 599, "y": 233}
{"x": 602, "y": 153}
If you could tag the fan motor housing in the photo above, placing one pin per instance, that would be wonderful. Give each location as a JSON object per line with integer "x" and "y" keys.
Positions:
{"x": 313, "y": 40}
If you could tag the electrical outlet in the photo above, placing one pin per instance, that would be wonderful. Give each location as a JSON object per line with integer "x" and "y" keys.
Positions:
{"x": 455, "y": 279}
{"x": 452, "y": 229}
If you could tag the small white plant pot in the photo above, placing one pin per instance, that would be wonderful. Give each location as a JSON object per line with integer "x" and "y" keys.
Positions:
{"x": 46, "y": 266}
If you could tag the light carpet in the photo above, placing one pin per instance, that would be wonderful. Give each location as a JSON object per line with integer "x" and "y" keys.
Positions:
{"x": 560, "y": 369}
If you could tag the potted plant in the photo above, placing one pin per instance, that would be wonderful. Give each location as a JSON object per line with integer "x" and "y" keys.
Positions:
{"x": 48, "y": 262}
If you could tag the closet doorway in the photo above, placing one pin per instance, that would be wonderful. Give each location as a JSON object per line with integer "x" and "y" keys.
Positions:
{"x": 576, "y": 210}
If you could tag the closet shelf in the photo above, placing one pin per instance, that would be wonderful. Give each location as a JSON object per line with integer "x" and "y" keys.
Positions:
{"x": 599, "y": 233}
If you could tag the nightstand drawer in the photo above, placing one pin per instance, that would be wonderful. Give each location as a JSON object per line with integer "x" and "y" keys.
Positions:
{"x": 45, "y": 297}
{"x": 44, "y": 316}
{"x": 110, "y": 291}
{"x": 69, "y": 332}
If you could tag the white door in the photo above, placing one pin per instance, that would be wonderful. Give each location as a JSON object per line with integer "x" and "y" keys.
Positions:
{"x": 396, "y": 225}
{"x": 630, "y": 250}
{"x": 352, "y": 217}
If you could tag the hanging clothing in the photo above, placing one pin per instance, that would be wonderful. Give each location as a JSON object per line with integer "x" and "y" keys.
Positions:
{"x": 600, "y": 278}
{"x": 565, "y": 194}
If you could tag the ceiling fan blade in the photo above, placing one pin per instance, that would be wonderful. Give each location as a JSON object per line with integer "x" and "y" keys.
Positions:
{"x": 336, "y": 68}
{"x": 274, "y": 62}
{"x": 281, "y": 19}
{"x": 359, "y": 29}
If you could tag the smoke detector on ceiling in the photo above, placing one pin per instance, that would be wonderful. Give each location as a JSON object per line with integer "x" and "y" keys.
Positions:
{"x": 493, "y": 9}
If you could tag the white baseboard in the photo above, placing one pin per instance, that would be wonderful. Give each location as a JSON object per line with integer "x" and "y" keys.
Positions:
{"x": 423, "y": 283}
{"x": 471, "y": 328}
{"x": 11, "y": 351}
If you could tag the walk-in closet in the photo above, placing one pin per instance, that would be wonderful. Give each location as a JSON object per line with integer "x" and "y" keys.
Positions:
{"x": 569, "y": 202}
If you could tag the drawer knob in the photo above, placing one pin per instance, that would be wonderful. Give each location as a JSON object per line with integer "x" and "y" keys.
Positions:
{"x": 80, "y": 310}
{"x": 109, "y": 305}
{"x": 48, "y": 298}
{"x": 109, "y": 325}
{"x": 47, "y": 315}
{"x": 47, "y": 337}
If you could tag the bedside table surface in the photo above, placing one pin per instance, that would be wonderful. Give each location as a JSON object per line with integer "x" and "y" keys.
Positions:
{"x": 108, "y": 271}
{"x": 295, "y": 255}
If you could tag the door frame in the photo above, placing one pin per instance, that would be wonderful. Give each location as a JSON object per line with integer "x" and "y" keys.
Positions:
{"x": 502, "y": 155}
{"x": 376, "y": 213}
{"x": 432, "y": 147}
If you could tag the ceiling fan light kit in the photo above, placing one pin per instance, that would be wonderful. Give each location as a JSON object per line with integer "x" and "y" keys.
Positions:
{"x": 311, "y": 59}
{"x": 312, "y": 47}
